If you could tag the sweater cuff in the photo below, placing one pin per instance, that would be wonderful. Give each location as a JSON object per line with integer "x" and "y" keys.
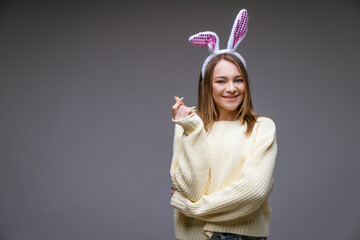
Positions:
{"x": 189, "y": 123}
{"x": 178, "y": 201}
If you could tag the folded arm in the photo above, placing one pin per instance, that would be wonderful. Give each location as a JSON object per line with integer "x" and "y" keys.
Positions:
{"x": 242, "y": 197}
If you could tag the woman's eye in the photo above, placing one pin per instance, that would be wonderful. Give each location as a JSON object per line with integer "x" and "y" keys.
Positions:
{"x": 239, "y": 80}
{"x": 220, "y": 81}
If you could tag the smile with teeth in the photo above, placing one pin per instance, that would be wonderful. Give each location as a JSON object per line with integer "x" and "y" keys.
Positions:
{"x": 230, "y": 97}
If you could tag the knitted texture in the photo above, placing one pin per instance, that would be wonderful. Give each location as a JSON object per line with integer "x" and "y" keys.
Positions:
{"x": 223, "y": 179}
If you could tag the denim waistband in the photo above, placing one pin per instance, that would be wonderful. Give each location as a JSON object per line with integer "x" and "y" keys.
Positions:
{"x": 233, "y": 236}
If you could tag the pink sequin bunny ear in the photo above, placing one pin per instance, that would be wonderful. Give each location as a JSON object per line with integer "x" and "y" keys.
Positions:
{"x": 204, "y": 39}
{"x": 239, "y": 30}
{"x": 211, "y": 40}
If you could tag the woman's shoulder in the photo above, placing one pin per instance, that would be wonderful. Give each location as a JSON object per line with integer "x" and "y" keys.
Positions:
{"x": 266, "y": 123}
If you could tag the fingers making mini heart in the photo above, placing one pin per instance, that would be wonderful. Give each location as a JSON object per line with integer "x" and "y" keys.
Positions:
{"x": 176, "y": 106}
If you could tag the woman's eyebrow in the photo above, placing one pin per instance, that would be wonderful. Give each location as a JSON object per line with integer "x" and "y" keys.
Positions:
{"x": 223, "y": 77}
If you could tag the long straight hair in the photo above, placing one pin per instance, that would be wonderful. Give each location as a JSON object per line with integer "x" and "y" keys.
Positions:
{"x": 207, "y": 109}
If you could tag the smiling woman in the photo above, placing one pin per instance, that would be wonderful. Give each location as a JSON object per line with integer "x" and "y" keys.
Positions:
{"x": 228, "y": 89}
{"x": 224, "y": 154}
{"x": 225, "y": 75}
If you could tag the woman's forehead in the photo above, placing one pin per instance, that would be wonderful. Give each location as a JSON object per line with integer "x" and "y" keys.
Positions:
{"x": 226, "y": 68}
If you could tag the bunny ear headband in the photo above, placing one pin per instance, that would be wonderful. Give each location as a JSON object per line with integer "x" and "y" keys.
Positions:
{"x": 211, "y": 40}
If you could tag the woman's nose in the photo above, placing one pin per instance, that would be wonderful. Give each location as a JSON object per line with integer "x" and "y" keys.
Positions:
{"x": 230, "y": 87}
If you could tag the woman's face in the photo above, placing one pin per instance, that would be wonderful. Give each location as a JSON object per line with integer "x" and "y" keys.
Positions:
{"x": 228, "y": 87}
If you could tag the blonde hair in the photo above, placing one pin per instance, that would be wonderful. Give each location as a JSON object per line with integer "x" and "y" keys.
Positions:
{"x": 206, "y": 108}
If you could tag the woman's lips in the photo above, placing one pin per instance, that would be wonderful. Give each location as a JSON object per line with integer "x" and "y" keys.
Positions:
{"x": 231, "y": 98}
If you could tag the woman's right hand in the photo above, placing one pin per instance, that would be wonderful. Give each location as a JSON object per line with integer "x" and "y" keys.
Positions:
{"x": 179, "y": 110}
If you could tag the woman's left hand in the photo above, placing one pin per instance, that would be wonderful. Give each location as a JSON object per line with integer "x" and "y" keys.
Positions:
{"x": 173, "y": 190}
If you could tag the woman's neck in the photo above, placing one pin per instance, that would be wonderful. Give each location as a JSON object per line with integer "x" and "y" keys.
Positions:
{"x": 228, "y": 116}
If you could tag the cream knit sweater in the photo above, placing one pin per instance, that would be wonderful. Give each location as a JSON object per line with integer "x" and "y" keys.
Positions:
{"x": 223, "y": 179}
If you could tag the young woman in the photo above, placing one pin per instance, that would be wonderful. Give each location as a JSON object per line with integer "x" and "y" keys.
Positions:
{"x": 223, "y": 156}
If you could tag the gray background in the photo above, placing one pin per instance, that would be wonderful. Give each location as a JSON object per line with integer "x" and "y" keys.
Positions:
{"x": 86, "y": 93}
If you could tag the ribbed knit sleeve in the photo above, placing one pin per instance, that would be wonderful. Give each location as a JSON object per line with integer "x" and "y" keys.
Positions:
{"x": 244, "y": 196}
{"x": 190, "y": 162}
